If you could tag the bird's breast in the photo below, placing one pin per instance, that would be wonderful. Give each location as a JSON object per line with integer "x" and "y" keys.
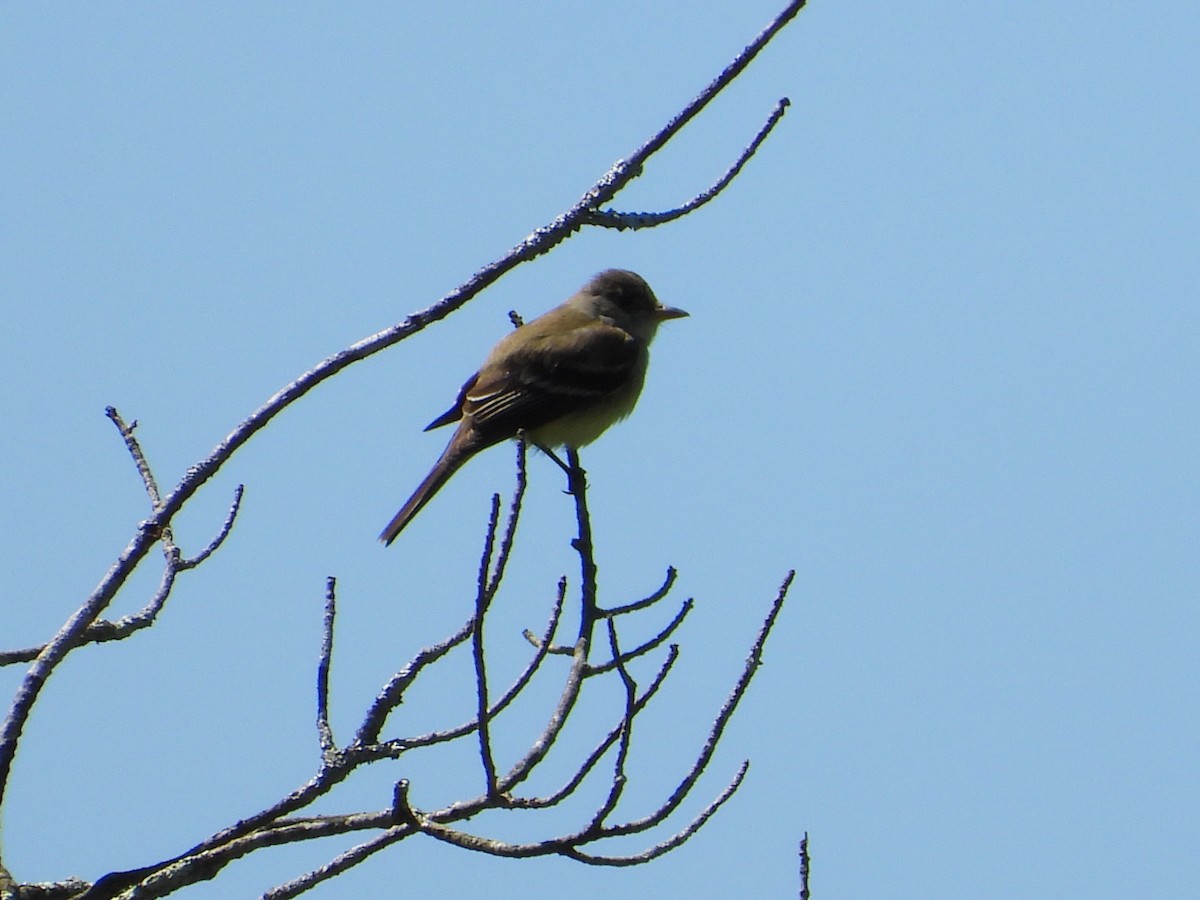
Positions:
{"x": 580, "y": 428}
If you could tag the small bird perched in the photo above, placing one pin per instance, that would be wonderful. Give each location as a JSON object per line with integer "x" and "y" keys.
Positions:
{"x": 562, "y": 379}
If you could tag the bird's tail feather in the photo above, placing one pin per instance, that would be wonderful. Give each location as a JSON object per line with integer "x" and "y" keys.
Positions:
{"x": 449, "y": 463}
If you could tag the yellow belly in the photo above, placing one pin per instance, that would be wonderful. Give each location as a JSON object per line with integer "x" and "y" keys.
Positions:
{"x": 581, "y": 428}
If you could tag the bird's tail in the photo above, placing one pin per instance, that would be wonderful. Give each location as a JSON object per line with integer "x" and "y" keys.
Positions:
{"x": 450, "y": 461}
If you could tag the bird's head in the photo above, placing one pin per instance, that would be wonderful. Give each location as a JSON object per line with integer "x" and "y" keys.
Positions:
{"x": 623, "y": 298}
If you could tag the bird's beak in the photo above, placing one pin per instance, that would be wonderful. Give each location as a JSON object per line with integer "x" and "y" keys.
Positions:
{"x": 669, "y": 312}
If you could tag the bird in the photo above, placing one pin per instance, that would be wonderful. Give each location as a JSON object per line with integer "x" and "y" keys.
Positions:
{"x": 561, "y": 379}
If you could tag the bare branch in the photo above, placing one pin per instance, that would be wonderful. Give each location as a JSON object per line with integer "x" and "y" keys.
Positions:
{"x": 217, "y": 541}
{"x": 514, "y": 514}
{"x": 753, "y": 661}
{"x": 563, "y": 650}
{"x": 487, "y": 845}
{"x": 644, "y": 648}
{"x": 577, "y": 479}
{"x": 735, "y": 68}
{"x": 135, "y": 450}
{"x": 67, "y": 889}
{"x": 566, "y": 702}
{"x": 668, "y": 582}
{"x": 205, "y": 864}
{"x": 611, "y": 218}
{"x": 594, "y": 757}
{"x": 566, "y": 846}
{"x": 542, "y": 643}
{"x": 670, "y": 843}
{"x": 148, "y": 482}
{"x": 339, "y": 864}
{"x": 395, "y": 748}
{"x": 389, "y": 698}
{"x": 102, "y": 630}
{"x": 487, "y": 589}
{"x": 804, "y": 894}
{"x": 324, "y": 730}
{"x": 617, "y": 785}
{"x": 268, "y": 828}
{"x": 483, "y": 598}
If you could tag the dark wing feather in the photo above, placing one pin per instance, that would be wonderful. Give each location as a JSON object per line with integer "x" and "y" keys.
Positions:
{"x": 549, "y": 376}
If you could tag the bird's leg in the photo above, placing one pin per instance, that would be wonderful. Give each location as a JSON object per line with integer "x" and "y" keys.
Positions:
{"x": 572, "y": 469}
{"x": 554, "y": 456}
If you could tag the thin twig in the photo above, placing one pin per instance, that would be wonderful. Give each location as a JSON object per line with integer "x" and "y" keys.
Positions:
{"x": 392, "y": 693}
{"x": 644, "y": 648}
{"x": 392, "y": 749}
{"x": 339, "y": 864}
{"x": 562, "y": 710}
{"x": 102, "y": 630}
{"x": 804, "y": 894}
{"x": 618, "y": 782}
{"x": 672, "y": 842}
{"x": 648, "y": 601}
{"x": 514, "y": 514}
{"x": 753, "y": 661}
{"x": 611, "y": 218}
{"x": 217, "y": 541}
{"x": 583, "y": 546}
{"x": 731, "y": 71}
{"x": 324, "y": 730}
{"x": 594, "y": 757}
{"x": 483, "y": 598}
{"x": 135, "y": 450}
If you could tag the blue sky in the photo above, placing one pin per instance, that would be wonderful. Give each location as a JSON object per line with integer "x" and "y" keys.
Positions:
{"x": 942, "y": 360}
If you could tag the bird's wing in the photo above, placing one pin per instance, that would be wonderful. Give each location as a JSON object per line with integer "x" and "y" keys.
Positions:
{"x": 547, "y": 376}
